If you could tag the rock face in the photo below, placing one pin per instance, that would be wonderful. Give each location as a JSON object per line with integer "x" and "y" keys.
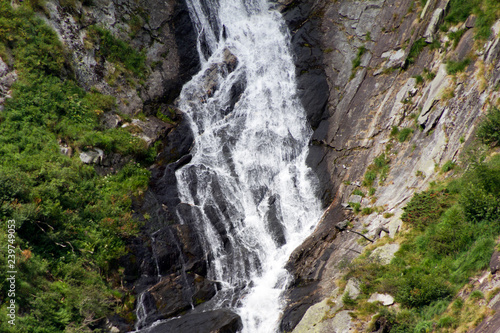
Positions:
{"x": 7, "y": 79}
{"x": 161, "y": 29}
{"x": 354, "y": 46}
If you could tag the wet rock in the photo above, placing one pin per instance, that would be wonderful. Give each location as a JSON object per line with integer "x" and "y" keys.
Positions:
{"x": 216, "y": 321}
{"x": 274, "y": 218}
{"x": 176, "y": 294}
{"x": 151, "y": 129}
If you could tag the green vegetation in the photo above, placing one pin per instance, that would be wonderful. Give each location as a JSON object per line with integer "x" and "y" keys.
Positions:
{"x": 357, "y": 61}
{"x": 117, "y": 51}
{"x": 358, "y": 192}
{"x": 454, "y": 67}
{"x": 71, "y": 223}
{"x": 402, "y": 135}
{"x": 487, "y": 12}
{"x": 455, "y": 36}
{"x": 451, "y": 232}
{"x": 448, "y": 166}
{"x": 380, "y": 166}
{"x": 489, "y": 129}
{"x": 417, "y": 47}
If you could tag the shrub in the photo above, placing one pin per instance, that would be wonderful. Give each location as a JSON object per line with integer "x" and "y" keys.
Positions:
{"x": 448, "y": 166}
{"x": 417, "y": 290}
{"x": 404, "y": 134}
{"x": 415, "y": 50}
{"x": 425, "y": 208}
{"x": 488, "y": 130}
{"x": 454, "y": 67}
{"x": 358, "y": 192}
{"x": 116, "y": 50}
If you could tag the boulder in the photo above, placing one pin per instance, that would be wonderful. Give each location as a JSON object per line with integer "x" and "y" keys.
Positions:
{"x": 385, "y": 299}
{"x": 93, "y": 156}
{"x": 352, "y": 288}
{"x": 495, "y": 262}
{"x": 433, "y": 25}
{"x": 385, "y": 253}
{"x": 355, "y": 198}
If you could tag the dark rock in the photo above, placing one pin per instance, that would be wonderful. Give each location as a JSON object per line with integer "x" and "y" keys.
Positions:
{"x": 174, "y": 295}
{"x": 471, "y": 21}
{"x": 274, "y": 218}
{"x": 111, "y": 120}
{"x": 217, "y": 321}
{"x": 495, "y": 262}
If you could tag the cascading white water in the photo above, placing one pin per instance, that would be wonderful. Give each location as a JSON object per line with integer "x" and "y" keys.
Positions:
{"x": 248, "y": 190}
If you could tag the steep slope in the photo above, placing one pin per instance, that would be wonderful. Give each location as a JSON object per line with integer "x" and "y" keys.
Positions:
{"x": 404, "y": 99}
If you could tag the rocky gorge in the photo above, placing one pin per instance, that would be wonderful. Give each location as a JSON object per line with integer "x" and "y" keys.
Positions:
{"x": 367, "y": 72}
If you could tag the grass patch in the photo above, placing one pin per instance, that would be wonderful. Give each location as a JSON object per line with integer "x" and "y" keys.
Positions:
{"x": 379, "y": 167}
{"x": 454, "y": 67}
{"x": 415, "y": 50}
{"x": 448, "y": 166}
{"x": 118, "y": 51}
{"x": 404, "y": 134}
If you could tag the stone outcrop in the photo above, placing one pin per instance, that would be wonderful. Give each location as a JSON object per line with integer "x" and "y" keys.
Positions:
{"x": 7, "y": 79}
{"x": 361, "y": 49}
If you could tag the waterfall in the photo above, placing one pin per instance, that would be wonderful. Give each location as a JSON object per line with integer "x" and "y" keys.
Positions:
{"x": 247, "y": 190}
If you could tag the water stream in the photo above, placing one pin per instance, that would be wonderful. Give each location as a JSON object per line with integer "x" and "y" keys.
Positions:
{"x": 247, "y": 188}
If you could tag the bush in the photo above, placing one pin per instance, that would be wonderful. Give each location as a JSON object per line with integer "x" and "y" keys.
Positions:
{"x": 417, "y": 290}
{"x": 488, "y": 130}
{"x": 448, "y": 166}
{"x": 116, "y": 50}
{"x": 454, "y": 67}
{"x": 415, "y": 50}
{"x": 404, "y": 134}
{"x": 425, "y": 208}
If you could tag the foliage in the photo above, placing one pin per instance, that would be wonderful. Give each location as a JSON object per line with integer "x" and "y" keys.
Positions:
{"x": 404, "y": 134}
{"x": 116, "y": 50}
{"x": 358, "y": 192}
{"x": 488, "y": 130}
{"x": 455, "y": 36}
{"x": 454, "y": 67}
{"x": 72, "y": 224}
{"x": 425, "y": 208}
{"x": 487, "y": 12}
{"x": 380, "y": 166}
{"x": 415, "y": 50}
{"x": 452, "y": 236}
{"x": 448, "y": 166}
